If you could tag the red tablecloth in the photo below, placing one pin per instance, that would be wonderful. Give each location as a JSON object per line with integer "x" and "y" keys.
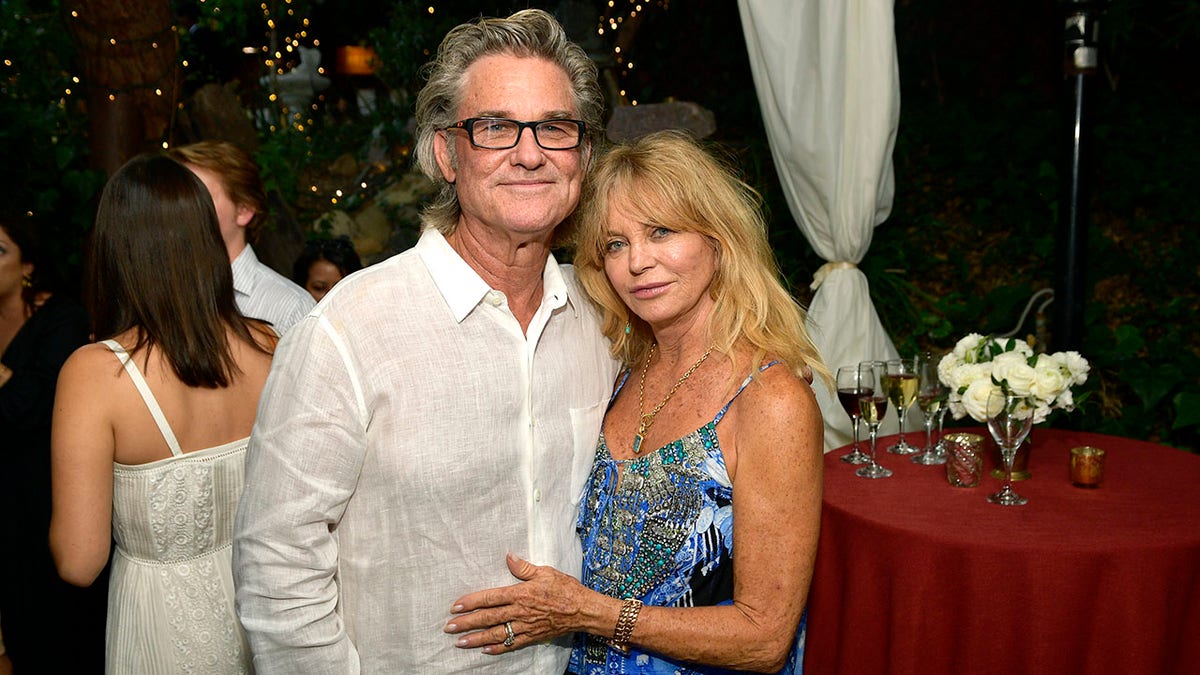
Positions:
{"x": 916, "y": 576}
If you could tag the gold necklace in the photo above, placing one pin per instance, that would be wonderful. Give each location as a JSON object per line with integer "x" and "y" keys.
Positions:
{"x": 647, "y": 419}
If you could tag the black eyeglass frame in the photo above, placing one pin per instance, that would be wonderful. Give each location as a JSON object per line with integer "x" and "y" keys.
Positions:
{"x": 468, "y": 125}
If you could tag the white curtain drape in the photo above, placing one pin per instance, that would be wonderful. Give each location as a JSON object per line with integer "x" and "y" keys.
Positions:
{"x": 828, "y": 83}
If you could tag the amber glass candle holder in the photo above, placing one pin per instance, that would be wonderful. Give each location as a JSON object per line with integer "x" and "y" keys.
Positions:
{"x": 1087, "y": 467}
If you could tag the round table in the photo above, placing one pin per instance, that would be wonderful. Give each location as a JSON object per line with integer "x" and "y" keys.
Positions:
{"x": 915, "y": 576}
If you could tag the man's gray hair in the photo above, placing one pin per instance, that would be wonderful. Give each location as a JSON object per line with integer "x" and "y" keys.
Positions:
{"x": 528, "y": 33}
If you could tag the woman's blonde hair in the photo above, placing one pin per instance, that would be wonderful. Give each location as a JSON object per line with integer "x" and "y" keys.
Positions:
{"x": 671, "y": 180}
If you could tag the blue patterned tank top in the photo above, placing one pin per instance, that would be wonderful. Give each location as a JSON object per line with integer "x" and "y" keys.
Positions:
{"x": 662, "y": 534}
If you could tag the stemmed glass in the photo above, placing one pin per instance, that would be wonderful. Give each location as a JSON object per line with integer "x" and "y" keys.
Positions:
{"x": 1009, "y": 420}
{"x": 940, "y": 446}
{"x": 872, "y": 406}
{"x": 849, "y": 386}
{"x": 931, "y": 399}
{"x": 901, "y": 383}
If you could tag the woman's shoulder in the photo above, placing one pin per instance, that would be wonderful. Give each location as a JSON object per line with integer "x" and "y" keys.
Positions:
{"x": 778, "y": 394}
{"x": 88, "y": 362}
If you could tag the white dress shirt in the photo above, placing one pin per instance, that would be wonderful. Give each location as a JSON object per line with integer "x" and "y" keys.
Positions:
{"x": 262, "y": 293}
{"x": 410, "y": 434}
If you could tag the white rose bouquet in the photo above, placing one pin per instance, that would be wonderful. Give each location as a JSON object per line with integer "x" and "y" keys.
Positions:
{"x": 979, "y": 364}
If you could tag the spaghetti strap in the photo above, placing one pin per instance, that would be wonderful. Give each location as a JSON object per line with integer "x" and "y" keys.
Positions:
{"x": 620, "y": 385}
{"x": 745, "y": 382}
{"x": 144, "y": 389}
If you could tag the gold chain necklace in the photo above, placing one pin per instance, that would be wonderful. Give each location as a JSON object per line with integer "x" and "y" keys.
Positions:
{"x": 647, "y": 419}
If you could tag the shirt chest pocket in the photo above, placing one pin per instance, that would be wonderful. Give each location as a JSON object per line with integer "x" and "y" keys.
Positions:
{"x": 585, "y": 434}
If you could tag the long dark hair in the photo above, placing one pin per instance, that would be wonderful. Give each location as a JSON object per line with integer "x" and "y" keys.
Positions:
{"x": 158, "y": 266}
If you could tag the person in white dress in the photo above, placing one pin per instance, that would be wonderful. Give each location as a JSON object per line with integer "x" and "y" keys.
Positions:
{"x": 151, "y": 424}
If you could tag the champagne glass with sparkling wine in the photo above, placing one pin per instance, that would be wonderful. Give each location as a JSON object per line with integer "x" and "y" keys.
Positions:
{"x": 901, "y": 382}
{"x": 850, "y": 383}
{"x": 931, "y": 399}
{"x": 872, "y": 406}
{"x": 1009, "y": 419}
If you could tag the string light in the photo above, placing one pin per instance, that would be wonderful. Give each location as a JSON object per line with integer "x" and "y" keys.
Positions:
{"x": 94, "y": 39}
{"x": 613, "y": 22}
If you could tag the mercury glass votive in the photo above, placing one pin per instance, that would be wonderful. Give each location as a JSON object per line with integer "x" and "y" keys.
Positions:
{"x": 1087, "y": 467}
{"x": 964, "y": 459}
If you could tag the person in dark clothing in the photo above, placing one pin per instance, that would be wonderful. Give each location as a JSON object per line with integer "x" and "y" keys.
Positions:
{"x": 39, "y": 328}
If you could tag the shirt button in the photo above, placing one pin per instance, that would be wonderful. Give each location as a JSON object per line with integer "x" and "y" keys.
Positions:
{"x": 537, "y": 495}
{"x": 496, "y": 298}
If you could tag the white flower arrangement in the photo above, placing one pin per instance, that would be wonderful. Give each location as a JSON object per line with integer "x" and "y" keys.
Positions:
{"x": 979, "y": 364}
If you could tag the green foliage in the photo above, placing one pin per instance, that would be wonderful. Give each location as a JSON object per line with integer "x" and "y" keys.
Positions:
{"x": 973, "y": 231}
{"x": 42, "y": 134}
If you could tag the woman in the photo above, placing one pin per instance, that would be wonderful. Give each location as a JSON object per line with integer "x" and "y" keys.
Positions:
{"x": 713, "y": 423}
{"x": 39, "y": 328}
{"x": 151, "y": 425}
{"x": 323, "y": 263}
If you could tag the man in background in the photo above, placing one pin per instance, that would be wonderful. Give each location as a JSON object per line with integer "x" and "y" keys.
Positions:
{"x": 233, "y": 180}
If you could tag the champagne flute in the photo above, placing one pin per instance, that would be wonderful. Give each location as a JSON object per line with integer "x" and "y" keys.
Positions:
{"x": 850, "y": 381}
{"x": 931, "y": 399}
{"x": 872, "y": 406}
{"x": 1009, "y": 420}
{"x": 901, "y": 382}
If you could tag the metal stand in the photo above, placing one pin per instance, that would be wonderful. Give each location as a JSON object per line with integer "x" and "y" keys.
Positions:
{"x": 1081, "y": 59}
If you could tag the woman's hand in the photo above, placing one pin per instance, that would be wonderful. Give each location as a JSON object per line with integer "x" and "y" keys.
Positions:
{"x": 545, "y": 605}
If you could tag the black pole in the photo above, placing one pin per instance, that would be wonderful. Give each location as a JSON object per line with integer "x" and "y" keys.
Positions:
{"x": 1081, "y": 58}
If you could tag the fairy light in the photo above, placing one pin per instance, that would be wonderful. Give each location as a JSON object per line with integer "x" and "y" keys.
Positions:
{"x": 618, "y": 16}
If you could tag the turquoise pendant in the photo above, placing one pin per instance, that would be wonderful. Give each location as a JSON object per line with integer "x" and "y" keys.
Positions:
{"x": 637, "y": 444}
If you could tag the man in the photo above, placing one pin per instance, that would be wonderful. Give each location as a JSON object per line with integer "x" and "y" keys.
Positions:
{"x": 440, "y": 409}
{"x": 233, "y": 180}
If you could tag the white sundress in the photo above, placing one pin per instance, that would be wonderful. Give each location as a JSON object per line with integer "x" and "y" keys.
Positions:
{"x": 170, "y": 597}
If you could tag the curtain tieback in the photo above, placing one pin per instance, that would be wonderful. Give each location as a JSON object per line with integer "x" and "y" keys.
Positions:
{"x": 819, "y": 277}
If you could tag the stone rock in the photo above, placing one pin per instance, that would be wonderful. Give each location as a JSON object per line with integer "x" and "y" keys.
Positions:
{"x": 385, "y": 225}
{"x": 631, "y": 121}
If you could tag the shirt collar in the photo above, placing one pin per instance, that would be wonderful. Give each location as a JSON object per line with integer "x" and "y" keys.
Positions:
{"x": 461, "y": 286}
{"x": 243, "y": 268}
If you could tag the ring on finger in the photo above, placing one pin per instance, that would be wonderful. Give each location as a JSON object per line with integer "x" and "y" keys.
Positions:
{"x": 511, "y": 638}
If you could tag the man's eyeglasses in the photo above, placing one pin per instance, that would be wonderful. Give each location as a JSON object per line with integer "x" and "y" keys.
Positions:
{"x": 495, "y": 133}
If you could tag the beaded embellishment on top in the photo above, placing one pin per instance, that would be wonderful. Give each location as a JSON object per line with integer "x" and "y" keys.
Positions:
{"x": 659, "y": 528}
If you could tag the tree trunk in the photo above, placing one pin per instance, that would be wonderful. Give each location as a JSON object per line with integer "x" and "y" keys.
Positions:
{"x": 128, "y": 52}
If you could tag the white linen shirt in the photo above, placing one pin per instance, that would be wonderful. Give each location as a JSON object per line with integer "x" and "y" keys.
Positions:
{"x": 262, "y": 293}
{"x": 409, "y": 436}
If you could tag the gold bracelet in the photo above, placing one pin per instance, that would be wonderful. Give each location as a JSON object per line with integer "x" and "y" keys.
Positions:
{"x": 625, "y": 621}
